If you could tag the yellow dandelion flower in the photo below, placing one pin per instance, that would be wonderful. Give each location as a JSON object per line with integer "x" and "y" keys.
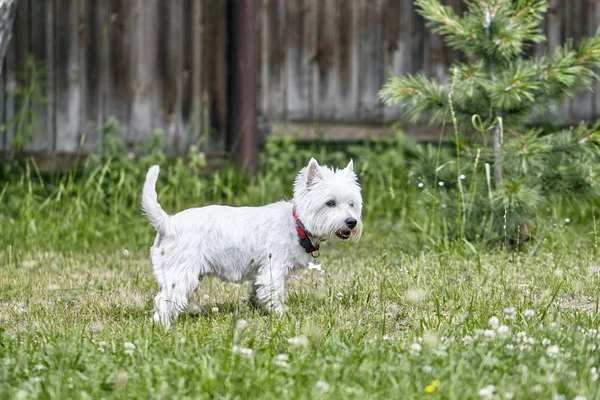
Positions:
{"x": 432, "y": 387}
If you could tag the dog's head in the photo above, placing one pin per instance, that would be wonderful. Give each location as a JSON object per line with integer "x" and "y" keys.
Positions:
{"x": 329, "y": 202}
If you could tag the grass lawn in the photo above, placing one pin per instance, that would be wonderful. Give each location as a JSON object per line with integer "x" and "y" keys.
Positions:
{"x": 377, "y": 323}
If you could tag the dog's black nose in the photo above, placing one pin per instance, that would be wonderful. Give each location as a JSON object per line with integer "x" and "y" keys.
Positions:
{"x": 351, "y": 222}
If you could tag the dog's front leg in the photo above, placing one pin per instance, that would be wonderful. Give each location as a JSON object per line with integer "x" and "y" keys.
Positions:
{"x": 268, "y": 288}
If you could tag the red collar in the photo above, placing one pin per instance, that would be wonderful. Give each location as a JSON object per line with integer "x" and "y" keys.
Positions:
{"x": 312, "y": 249}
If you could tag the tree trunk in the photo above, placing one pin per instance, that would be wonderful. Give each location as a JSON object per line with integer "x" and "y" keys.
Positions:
{"x": 497, "y": 155}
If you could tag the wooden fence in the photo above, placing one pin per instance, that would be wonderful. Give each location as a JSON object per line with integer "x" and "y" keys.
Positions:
{"x": 164, "y": 64}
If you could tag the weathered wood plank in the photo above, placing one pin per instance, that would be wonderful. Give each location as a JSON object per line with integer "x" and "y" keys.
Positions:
{"x": 2, "y": 106}
{"x": 93, "y": 44}
{"x": 372, "y": 61}
{"x": 580, "y": 27}
{"x": 16, "y": 65}
{"x": 145, "y": 104}
{"x": 300, "y": 54}
{"x": 214, "y": 71}
{"x": 117, "y": 89}
{"x": 273, "y": 58}
{"x": 343, "y": 132}
{"x": 171, "y": 66}
{"x": 196, "y": 121}
{"x": 68, "y": 77}
{"x": 324, "y": 61}
{"x": 347, "y": 60}
{"x": 398, "y": 23}
{"x": 42, "y": 125}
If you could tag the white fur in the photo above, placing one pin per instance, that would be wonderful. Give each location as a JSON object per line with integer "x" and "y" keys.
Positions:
{"x": 259, "y": 244}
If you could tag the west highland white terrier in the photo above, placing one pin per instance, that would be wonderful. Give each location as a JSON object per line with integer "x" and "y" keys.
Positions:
{"x": 258, "y": 244}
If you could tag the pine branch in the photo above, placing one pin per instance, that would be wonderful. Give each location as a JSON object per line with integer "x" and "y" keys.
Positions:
{"x": 417, "y": 93}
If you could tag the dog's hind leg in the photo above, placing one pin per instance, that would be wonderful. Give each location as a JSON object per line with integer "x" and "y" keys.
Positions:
{"x": 173, "y": 297}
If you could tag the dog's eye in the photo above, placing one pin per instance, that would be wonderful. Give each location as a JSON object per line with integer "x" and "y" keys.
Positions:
{"x": 330, "y": 203}
{"x": 351, "y": 204}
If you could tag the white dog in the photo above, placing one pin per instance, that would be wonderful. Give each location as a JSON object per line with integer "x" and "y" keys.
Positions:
{"x": 260, "y": 244}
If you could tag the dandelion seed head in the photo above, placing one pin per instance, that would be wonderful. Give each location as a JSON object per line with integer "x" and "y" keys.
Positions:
{"x": 298, "y": 341}
{"x": 415, "y": 348}
{"x": 494, "y": 322}
{"x": 489, "y": 333}
{"x": 241, "y": 324}
{"x": 552, "y": 351}
{"x": 487, "y": 392}
{"x": 503, "y": 331}
{"x": 243, "y": 351}
{"x": 322, "y": 386}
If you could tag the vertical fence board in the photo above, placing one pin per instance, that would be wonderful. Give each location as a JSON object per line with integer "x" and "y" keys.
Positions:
{"x": 117, "y": 88}
{"x": 398, "y": 24}
{"x": 300, "y": 53}
{"x": 196, "y": 119}
{"x": 40, "y": 50}
{"x": 372, "y": 61}
{"x": 214, "y": 71}
{"x": 145, "y": 105}
{"x": 94, "y": 64}
{"x": 324, "y": 61}
{"x": 16, "y": 64}
{"x": 172, "y": 59}
{"x": 274, "y": 58}
{"x": 347, "y": 60}
{"x": 2, "y": 106}
{"x": 68, "y": 77}
{"x": 187, "y": 49}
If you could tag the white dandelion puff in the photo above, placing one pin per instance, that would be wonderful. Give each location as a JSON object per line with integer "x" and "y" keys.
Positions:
{"x": 241, "y": 324}
{"x": 487, "y": 392}
{"x": 503, "y": 331}
{"x": 510, "y": 313}
{"x": 129, "y": 347}
{"x": 322, "y": 386}
{"x": 243, "y": 351}
{"x": 298, "y": 341}
{"x": 552, "y": 351}
{"x": 490, "y": 334}
{"x": 415, "y": 348}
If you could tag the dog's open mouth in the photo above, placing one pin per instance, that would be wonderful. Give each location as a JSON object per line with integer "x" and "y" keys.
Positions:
{"x": 344, "y": 234}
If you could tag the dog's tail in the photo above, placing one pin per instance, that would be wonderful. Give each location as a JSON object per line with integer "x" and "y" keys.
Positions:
{"x": 153, "y": 211}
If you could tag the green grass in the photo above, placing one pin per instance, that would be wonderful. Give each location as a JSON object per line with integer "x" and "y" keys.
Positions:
{"x": 378, "y": 323}
{"x": 403, "y": 314}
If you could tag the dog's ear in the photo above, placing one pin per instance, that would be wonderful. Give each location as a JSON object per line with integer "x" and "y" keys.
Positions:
{"x": 313, "y": 172}
{"x": 350, "y": 166}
